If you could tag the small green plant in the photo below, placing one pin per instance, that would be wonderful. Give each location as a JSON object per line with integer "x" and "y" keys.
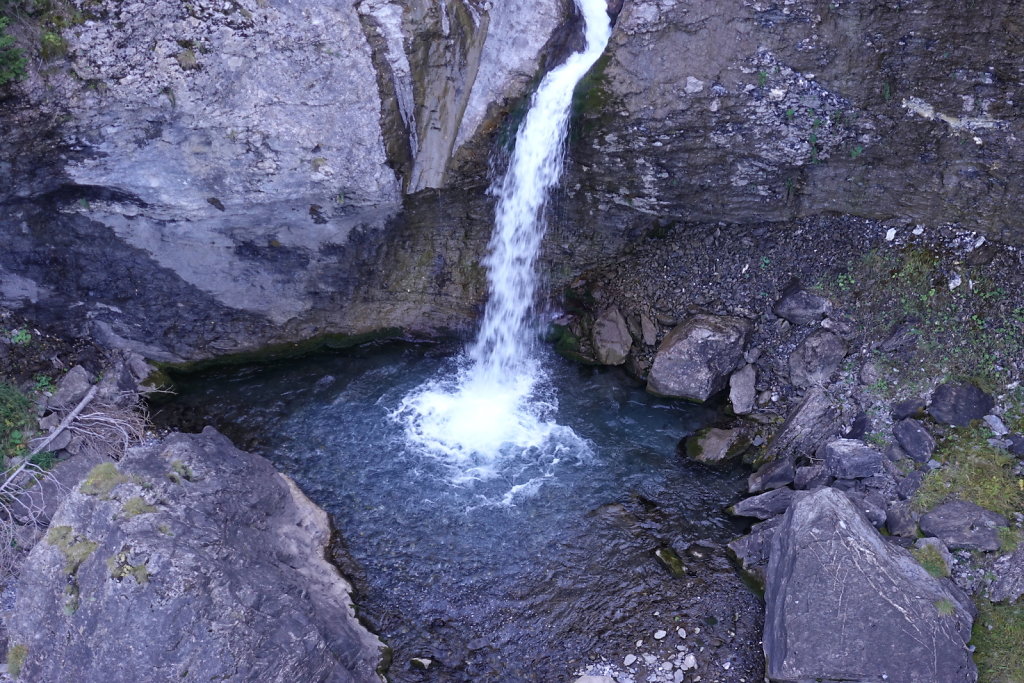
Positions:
{"x": 15, "y": 422}
{"x": 76, "y": 549}
{"x": 43, "y": 383}
{"x": 1009, "y": 539}
{"x": 856, "y": 151}
{"x": 790, "y": 113}
{"x": 12, "y": 60}
{"x": 102, "y": 480}
{"x": 52, "y": 45}
{"x": 945, "y": 607}
{"x": 135, "y": 506}
{"x": 44, "y": 461}
{"x": 21, "y": 336}
{"x": 931, "y": 559}
{"x": 886, "y": 91}
{"x": 997, "y": 637}
{"x": 762, "y": 78}
{"x": 16, "y": 657}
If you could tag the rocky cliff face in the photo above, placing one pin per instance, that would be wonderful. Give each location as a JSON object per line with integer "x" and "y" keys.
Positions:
{"x": 190, "y": 181}
{"x": 748, "y": 110}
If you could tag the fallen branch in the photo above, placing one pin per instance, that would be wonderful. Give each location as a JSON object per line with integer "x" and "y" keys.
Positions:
{"x": 65, "y": 422}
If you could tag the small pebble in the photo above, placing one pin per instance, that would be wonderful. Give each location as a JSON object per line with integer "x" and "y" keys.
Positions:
{"x": 681, "y": 632}
{"x": 667, "y": 666}
{"x": 689, "y": 662}
{"x": 659, "y": 634}
{"x": 629, "y": 660}
{"x": 727, "y": 665}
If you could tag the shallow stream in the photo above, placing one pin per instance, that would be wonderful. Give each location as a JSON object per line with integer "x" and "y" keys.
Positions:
{"x": 534, "y": 574}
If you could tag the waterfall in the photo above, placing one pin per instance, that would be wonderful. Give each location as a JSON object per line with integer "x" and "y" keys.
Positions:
{"x": 496, "y": 407}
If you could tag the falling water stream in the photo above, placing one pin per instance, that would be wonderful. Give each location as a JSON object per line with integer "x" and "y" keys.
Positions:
{"x": 496, "y": 409}
{"x": 501, "y": 533}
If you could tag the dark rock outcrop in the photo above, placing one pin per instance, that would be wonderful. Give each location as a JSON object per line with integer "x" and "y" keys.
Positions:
{"x": 843, "y": 605}
{"x": 696, "y": 358}
{"x": 914, "y": 439}
{"x": 753, "y": 550}
{"x": 188, "y": 559}
{"x": 959, "y": 404}
{"x": 809, "y": 425}
{"x": 960, "y": 524}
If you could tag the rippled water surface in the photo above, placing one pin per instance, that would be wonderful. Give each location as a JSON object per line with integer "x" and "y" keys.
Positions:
{"x": 530, "y": 574}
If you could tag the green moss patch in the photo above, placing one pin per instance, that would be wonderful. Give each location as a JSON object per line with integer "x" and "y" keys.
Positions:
{"x": 135, "y": 506}
{"x": 121, "y": 568}
{"x": 76, "y": 548}
{"x": 931, "y": 559}
{"x": 102, "y": 480}
{"x": 973, "y": 471}
{"x": 16, "y": 657}
{"x": 998, "y": 637}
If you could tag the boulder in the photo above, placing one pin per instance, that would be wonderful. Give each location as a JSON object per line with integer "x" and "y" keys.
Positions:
{"x": 959, "y": 404}
{"x": 808, "y": 426}
{"x": 764, "y": 506}
{"x": 799, "y": 306}
{"x": 714, "y": 445}
{"x": 1016, "y": 444}
{"x": 960, "y": 524}
{"x": 912, "y": 407}
{"x": 851, "y": 459}
{"x": 611, "y": 338}
{"x": 71, "y": 388}
{"x": 816, "y": 358}
{"x": 1008, "y": 585}
{"x": 771, "y": 475}
{"x": 914, "y": 439}
{"x": 743, "y": 390}
{"x": 809, "y": 477}
{"x": 842, "y": 604}
{"x": 188, "y": 559}
{"x": 900, "y": 519}
{"x": 753, "y": 550}
{"x": 908, "y": 485}
{"x": 695, "y": 359}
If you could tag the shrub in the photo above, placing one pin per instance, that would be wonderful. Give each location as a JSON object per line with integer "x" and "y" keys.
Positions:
{"x": 12, "y": 61}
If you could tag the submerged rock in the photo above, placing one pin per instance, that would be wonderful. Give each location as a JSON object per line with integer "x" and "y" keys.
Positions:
{"x": 842, "y": 604}
{"x": 696, "y": 358}
{"x": 714, "y": 445}
{"x": 188, "y": 559}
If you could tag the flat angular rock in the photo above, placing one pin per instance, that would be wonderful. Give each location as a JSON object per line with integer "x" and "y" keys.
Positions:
{"x": 764, "y": 506}
{"x": 809, "y": 477}
{"x": 914, "y": 439}
{"x": 851, "y": 459}
{"x": 771, "y": 475}
{"x": 806, "y": 428}
{"x": 71, "y": 388}
{"x": 844, "y": 605}
{"x": 959, "y": 404}
{"x": 695, "y": 359}
{"x": 611, "y": 338}
{"x": 188, "y": 555}
{"x": 900, "y": 519}
{"x": 1008, "y": 585}
{"x": 960, "y": 524}
{"x": 714, "y": 445}
{"x": 800, "y": 307}
{"x": 753, "y": 550}
{"x": 815, "y": 360}
{"x": 743, "y": 390}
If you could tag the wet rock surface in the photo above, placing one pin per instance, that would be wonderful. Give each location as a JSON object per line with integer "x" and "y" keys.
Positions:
{"x": 189, "y": 558}
{"x": 844, "y": 605}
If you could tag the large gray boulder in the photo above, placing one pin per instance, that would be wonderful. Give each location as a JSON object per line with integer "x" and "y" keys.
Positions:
{"x": 188, "y": 560}
{"x": 843, "y": 605}
{"x": 696, "y": 358}
{"x": 611, "y": 338}
{"x": 961, "y": 524}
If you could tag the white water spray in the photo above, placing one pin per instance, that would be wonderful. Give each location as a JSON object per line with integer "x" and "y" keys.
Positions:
{"x": 481, "y": 420}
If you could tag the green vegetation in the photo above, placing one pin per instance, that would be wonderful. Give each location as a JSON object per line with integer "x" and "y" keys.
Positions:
{"x": 15, "y": 422}
{"x": 1009, "y": 539}
{"x": 76, "y": 549}
{"x": 970, "y": 333}
{"x": 997, "y": 637}
{"x": 121, "y": 568}
{"x": 135, "y": 506}
{"x": 12, "y": 61}
{"x": 16, "y": 656}
{"x": 20, "y": 336}
{"x": 945, "y": 608}
{"x": 974, "y": 471}
{"x": 931, "y": 559}
{"x": 180, "y": 472}
{"x": 102, "y": 479}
